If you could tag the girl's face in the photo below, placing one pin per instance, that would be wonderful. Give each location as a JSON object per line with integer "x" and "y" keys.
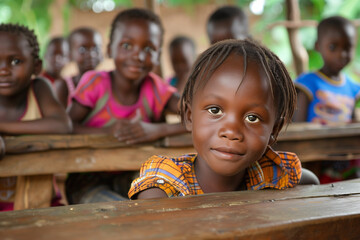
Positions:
{"x": 56, "y": 57}
{"x": 182, "y": 58}
{"x": 16, "y": 63}
{"x": 135, "y": 48}
{"x": 231, "y": 127}
{"x": 86, "y": 50}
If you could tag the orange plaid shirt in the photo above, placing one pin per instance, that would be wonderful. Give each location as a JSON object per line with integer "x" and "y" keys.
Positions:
{"x": 176, "y": 176}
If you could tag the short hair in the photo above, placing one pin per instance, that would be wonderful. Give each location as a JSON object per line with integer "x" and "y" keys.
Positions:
{"x": 227, "y": 13}
{"x": 81, "y": 30}
{"x": 55, "y": 40}
{"x": 334, "y": 22}
{"x": 136, "y": 13}
{"x": 27, "y": 33}
{"x": 178, "y": 40}
{"x": 281, "y": 84}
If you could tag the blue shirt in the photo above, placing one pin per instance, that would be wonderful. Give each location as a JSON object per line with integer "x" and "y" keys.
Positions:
{"x": 331, "y": 102}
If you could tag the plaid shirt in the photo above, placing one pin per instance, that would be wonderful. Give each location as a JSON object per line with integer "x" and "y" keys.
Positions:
{"x": 176, "y": 176}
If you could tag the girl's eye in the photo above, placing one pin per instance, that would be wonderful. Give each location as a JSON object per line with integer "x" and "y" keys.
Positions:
{"x": 332, "y": 47}
{"x": 252, "y": 119}
{"x": 126, "y": 46}
{"x": 214, "y": 111}
{"x": 149, "y": 49}
{"x": 15, "y": 61}
{"x": 82, "y": 50}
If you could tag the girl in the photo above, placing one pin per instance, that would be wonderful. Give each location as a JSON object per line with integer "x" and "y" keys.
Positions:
{"x": 128, "y": 102}
{"x": 85, "y": 50}
{"x": 27, "y": 103}
{"x": 238, "y": 97}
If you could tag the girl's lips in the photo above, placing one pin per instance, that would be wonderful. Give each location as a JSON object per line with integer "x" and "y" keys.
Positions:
{"x": 227, "y": 153}
{"x": 5, "y": 84}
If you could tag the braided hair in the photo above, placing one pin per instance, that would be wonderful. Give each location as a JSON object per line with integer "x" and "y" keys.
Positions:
{"x": 281, "y": 84}
{"x": 136, "y": 13}
{"x": 27, "y": 33}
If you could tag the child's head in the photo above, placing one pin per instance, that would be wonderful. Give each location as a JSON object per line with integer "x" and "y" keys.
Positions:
{"x": 336, "y": 40}
{"x": 182, "y": 54}
{"x": 237, "y": 98}
{"x": 228, "y": 22}
{"x": 56, "y": 56}
{"x": 135, "y": 42}
{"x": 19, "y": 58}
{"x": 85, "y": 48}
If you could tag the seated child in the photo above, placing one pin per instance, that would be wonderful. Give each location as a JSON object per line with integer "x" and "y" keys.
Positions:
{"x": 127, "y": 102}
{"x": 182, "y": 55}
{"x": 327, "y": 96}
{"x": 85, "y": 50}
{"x": 55, "y": 58}
{"x": 237, "y": 99}
{"x": 227, "y": 22}
{"x": 27, "y": 103}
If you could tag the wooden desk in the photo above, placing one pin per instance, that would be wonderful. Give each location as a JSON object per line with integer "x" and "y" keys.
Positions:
{"x": 36, "y": 158}
{"x": 305, "y": 212}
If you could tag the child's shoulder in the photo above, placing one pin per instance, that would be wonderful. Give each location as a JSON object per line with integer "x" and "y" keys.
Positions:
{"x": 172, "y": 164}
{"x": 307, "y": 76}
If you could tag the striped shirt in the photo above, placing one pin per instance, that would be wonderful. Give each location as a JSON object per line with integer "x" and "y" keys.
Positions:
{"x": 176, "y": 176}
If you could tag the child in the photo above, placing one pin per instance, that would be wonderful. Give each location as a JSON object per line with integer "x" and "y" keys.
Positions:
{"x": 228, "y": 22}
{"x": 85, "y": 50}
{"x": 128, "y": 102}
{"x": 328, "y": 96}
{"x": 56, "y": 57}
{"x": 182, "y": 55}
{"x": 27, "y": 103}
{"x": 238, "y": 97}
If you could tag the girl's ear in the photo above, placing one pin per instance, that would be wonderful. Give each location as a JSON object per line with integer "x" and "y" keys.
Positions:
{"x": 188, "y": 118}
{"x": 275, "y": 132}
{"x": 316, "y": 47}
{"x": 37, "y": 67}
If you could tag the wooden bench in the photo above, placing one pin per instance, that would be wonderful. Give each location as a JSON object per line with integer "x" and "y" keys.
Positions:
{"x": 36, "y": 158}
{"x": 305, "y": 212}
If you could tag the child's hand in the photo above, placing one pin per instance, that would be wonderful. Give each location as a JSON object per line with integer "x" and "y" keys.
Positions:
{"x": 135, "y": 132}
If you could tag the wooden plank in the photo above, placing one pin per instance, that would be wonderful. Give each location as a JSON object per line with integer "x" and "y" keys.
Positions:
{"x": 305, "y": 212}
{"x": 82, "y": 160}
{"x": 33, "y": 192}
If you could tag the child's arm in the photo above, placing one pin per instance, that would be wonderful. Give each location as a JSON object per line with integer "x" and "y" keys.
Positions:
{"x": 151, "y": 193}
{"x": 78, "y": 113}
{"x": 137, "y": 131}
{"x": 61, "y": 91}
{"x": 54, "y": 118}
{"x": 300, "y": 114}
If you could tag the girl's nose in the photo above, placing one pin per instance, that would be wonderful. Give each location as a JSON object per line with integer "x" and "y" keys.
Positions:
{"x": 231, "y": 129}
{"x": 4, "y": 68}
{"x": 139, "y": 54}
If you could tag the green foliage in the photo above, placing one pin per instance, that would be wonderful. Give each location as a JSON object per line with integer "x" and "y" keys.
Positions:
{"x": 277, "y": 40}
{"x": 31, "y": 13}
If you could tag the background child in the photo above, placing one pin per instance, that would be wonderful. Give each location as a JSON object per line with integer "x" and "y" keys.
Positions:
{"x": 55, "y": 58}
{"x": 232, "y": 140}
{"x": 228, "y": 22}
{"x": 327, "y": 96}
{"x": 182, "y": 55}
{"x": 128, "y": 102}
{"x": 27, "y": 103}
{"x": 85, "y": 50}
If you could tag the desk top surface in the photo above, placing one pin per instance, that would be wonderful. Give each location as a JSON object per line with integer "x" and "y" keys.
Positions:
{"x": 316, "y": 212}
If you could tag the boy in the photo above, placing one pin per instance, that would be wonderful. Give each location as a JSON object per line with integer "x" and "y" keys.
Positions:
{"x": 228, "y": 22}
{"x": 327, "y": 96}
